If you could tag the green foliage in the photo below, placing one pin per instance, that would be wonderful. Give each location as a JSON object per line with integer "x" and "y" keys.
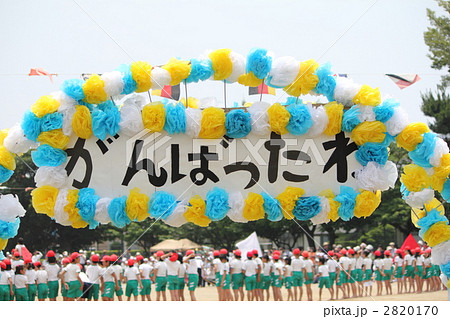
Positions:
{"x": 437, "y": 106}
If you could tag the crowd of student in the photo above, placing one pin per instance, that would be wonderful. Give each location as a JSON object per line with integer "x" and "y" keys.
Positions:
{"x": 345, "y": 273}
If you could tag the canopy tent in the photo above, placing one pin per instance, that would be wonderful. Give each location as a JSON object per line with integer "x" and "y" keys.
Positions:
{"x": 172, "y": 244}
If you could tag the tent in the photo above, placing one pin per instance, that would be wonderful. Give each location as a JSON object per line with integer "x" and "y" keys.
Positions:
{"x": 172, "y": 244}
{"x": 410, "y": 242}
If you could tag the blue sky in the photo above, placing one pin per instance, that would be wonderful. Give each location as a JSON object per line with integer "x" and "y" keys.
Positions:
{"x": 61, "y": 38}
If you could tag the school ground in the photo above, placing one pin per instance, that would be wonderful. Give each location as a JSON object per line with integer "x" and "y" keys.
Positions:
{"x": 209, "y": 293}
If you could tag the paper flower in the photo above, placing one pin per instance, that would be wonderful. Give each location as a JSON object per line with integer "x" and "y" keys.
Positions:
{"x": 178, "y": 69}
{"x": 31, "y": 125}
{"x": 113, "y": 83}
{"x": 161, "y": 204}
{"x": 306, "y": 79}
{"x": 10, "y": 208}
{"x": 300, "y": 120}
{"x": 307, "y": 207}
{"x": 201, "y": 70}
{"x": 424, "y": 151}
{"x": 60, "y": 216}
{"x": 323, "y": 216}
{"x": 213, "y": 123}
{"x": 129, "y": 84}
{"x": 94, "y": 90}
{"x": 415, "y": 178}
{"x": 366, "y": 203}
{"x": 272, "y": 207}
{"x": 87, "y": 201}
{"x": 347, "y": 199}
{"x": 82, "y": 122}
{"x": 52, "y": 176}
{"x": 436, "y": 234}
{"x": 412, "y": 135}
{"x": 101, "y": 211}
{"x": 374, "y": 132}
{"x": 73, "y": 88}
{"x": 372, "y": 152}
{"x": 7, "y": 159}
{"x": 105, "y": 120}
{"x": 284, "y": 71}
{"x": 195, "y": 213}
{"x": 154, "y": 116}
{"x": 386, "y": 110}
{"x": 374, "y": 177}
{"x": 43, "y": 200}
{"x": 45, "y": 155}
{"x": 193, "y": 122}
{"x": 368, "y": 96}
{"x": 216, "y": 204}
{"x": 335, "y": 112}
{"x": 432, "y": 217}
{"x": 55, "y": 138}
{"x": 288, "y": 198}
{"x": 238, "y": 124}
{"x": 141, "y": 73}
{"x": 51, "y": 122}
{"x": 253, "y": 209}
{"x": 5, "y": 174}
{"x": 345, "y": 91}
{"x": 45, "y": 105}
{"x": 175, "y": 119}
{"x": 221, "y": 63}
{"x": 117, "y": 212}
{"x": 278, "y": 118}
{"x": 327, "y": 82}
{"x": 9, "y": 229}
{"x": 351, "y": 119}
{"x": 177, "y": 219}
{"x": 397, "y": 122}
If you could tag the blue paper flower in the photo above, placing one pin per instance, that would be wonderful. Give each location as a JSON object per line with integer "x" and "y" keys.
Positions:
{"x": 307, "y": 207}
{"x": 45, "y": 155}
{"x": 73, "y": 88}
{"x": 446, "y": 269}
{"x": 105, "y": 120}
{"x": 201, "y": 70}
{"x": 446, "y": 190}
{"x": 327, "y": 82}
{"x": 129, "y": 85}
{"x": 175, "y": 118}
{"x": 259, "y": 62}
{"x": 300, "y": 120}
{"x": 161, "y": 205}
{"x": 272, "y": 207}
{"x": 5, "y": 174}
{"x": 347, "y": 198}
{"x": 216, "y": 204}
{"x": 117, "y": 213}
{"x": 431, "y": 218}
{"x": 350, "y": 119}
{"x": 52, "y": 121}
{"x": 423, "y": 152}
{"x": 31, "y": 125}
{"x": 372, "y": 152}
{"x": 9, "y": 229}
{"x": 384, "y": 111}
{"x": 238, "y": 124}
{"x": 87, "y": 200}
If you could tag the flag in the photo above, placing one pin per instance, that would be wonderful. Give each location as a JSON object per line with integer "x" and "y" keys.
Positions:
{"x": 261, "y": 89}
{"x": 409, "y": 242}
{"x": 248, "y": 244}
{"x": 341, "y": 75}
{"x": 25, "y": 253}
{"x": 404, "y": 80}
{"x": 170, "y": 92}
{"x": 41, "y": 72}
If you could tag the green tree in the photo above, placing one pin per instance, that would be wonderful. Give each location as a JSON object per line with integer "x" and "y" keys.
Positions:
{"x": 437, "y": 106}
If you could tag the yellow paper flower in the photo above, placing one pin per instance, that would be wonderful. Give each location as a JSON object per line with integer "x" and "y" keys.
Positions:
{"x": 44, "y": 199}
{"x": 436, "y": 234}
{"x": 412, "y": 135}
{"x": 179, "y": 70}
{"x": 288, "y": 198}
{"x": 415, "y": 178}
{"x": 154, "y": 116}
{"x": 45, "y": 105}
{"x": 195, "y": 213}
{"x": 73, "y": 211}
{"x": 82, "y": 122}
{"x": 249, "y": 79}
{"x": 141, "y": 73}
{"x": 221, "y": 64}
{"x": 369, "y": 132}
{"x": 3, "y": 135}
{"x": 3, "y": 243}
{"x": 137, "y": 205}
{"x": 443, "y": 170}
{"x": 94, "y": 90}
{"x": 7, "y": 159}
{"x": 334, "y": 205}
{"x": 192, "y": 102}
{"x": 278, "y": 118}
{"x": 335, "y": 112}
{"x": 437, "y": 182}
{"x": 366, "y": 203}
{"x": 213, "y": 123}
{"x": 54, "y": 138}
{"x": 305, "y": 81}
{"x": 417, "y": 213}
{"x": 253, "y": 209}
{"x": 367, "y": 96}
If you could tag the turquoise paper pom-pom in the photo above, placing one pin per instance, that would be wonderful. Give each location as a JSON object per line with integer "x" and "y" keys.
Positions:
{"x": 117, "y": 213}
{"x": 307, "y": 207}
{"x": 201, "y": 70}
{"x": 350, "y": 119}
{"x": 45, "y": 155}
{"x": 300, "y": 120}
{"x": 52, "y": 121}
{"x": 259, "y": 62}
{"x": 446, "y": 190}
{"x": 272, "y": 207}
{"x": 238, "y": 124}
{"x": 372, "y": 152}
{"x": 386, "y": 110}
{"x": 347, "y": 198}
{"x": 175, "y": 118}
{"x": 31, "y": 125}
{"x": 161, "y": 204}
{"x": 73, "y": 88}
{"x": 423, "y": 152}
{"x": 9, "y": 229}
{"x": 216, "y": 204}
{"x": 327, "y": 82}
{"x": 431, "y": 218}
{"x": 446, "y": 269}
{"x": 87, "y": 201}
{"x": 105, "y": 120}
{"x": 129, "y": 85}
{"x": 5, "y": 174}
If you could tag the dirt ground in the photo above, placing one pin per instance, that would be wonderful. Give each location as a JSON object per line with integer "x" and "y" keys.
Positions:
{"x": 209, "y": 293}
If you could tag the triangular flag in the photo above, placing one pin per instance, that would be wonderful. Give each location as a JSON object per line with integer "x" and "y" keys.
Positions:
{"x": 170, "y": 92}
{"x": 404, "y": 80}
{"x": 261, "y": 89}
{"x": 41, "y": 72}
{"x": 409, "y": 242}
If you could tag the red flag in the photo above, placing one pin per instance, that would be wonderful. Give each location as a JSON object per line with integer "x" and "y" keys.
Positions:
{"x": 25, "y": 253}
{"x": 261, "y": 89}
{"x": 41, "y": 72}
{"x": 410, "y": 242}
{"x": 404, "y": 80}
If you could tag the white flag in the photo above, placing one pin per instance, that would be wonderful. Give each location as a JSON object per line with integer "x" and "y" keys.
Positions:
{"x": 248, "y": 244}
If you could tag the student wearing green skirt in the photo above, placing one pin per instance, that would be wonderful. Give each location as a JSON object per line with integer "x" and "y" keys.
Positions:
{"x": 298, "y": 267}
{"x": 145, "y": 269}
{"x": 41, "y": 281}
{"x": 181, "y": 278}
{"x": 192, "y": 273}
{"x": 309, "y": 267}
{"x": 398, "y": 270}
{"x": 378, "y": 266}
{"x": 53, "y": 271}
{"x": 20, "y": 284}
{"x": 277, "y": 277}
{"x": 93, "y": 272}
{"x": 133, "y": 280}
{"x": 387, "y": 271}
{"x": 367, "y": 270}
{"x": 409, "y": 270}
{"x": 427, "y": 268}
{"x": 324, "y": 278}
{"x": 226, "y": 278}
{"x": 266, "y": 275}
{"x": 72, "y": 281}
{"x": 418, "y": 269}
{"x": 6, "y": 284}
{"x": 288, "y": 278}
{"x": 31, "y": 279}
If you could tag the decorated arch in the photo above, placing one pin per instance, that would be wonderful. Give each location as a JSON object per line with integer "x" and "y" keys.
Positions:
{"x": 108, "y": 153}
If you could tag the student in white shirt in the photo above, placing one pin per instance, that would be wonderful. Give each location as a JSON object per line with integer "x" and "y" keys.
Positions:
{"x": 159, "y": 274}
{"x": 145, "y": 270}
{"x": 93, "y": 272}
{"x": 41, "y": 280}
{"x": 133, "y": 279}
{"x": 181, "y": 278}
{"x": 192, "y": 273}
{"x": 298, "y": 270}
{"x": 387, "y": 271}
{"x": 52, "y": 270}
{"x": 419, "y": 271}
{"x": 31, "y": 279}
{"x": 173, "y": 268}
{"x": 217, "y": 265}
{"x": 226, "y": 279}
{"x": 367, "y": 269}
{"x": 237, "y": 278}
{"x": 378, "y": 266}
{"x": 277, "y": 277}
{"x": 309, "y": 269}
{"x": 6, "y": 283}
{"x": 258, "y": 290}
{"x": 20, "y": 284}
{"x": 409, "y": 270}
{"x": 288, "y": 278}
{"x": 324, "y": 278}
{"x": 108, "y": 279}
{"x": 64, "y": 263}
{"x": 249, "y": 269}
{"x": 351, "y": 279}
{"x": 73, "y": 284}
{"x": 267, "y": 275}
{"x": 398, "y": 270}
{"x": 118, "y": 270}
{"x": 332, "y": 267}
{"x": 344, "y": 274}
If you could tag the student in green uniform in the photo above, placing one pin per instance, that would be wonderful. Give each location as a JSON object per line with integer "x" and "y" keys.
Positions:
{"x": 42, "y": 282}
{"x": 324, "y": 278}
{"x": 237, "y": 278}
{"x": 133, "y": 280}
{"x": 20, "y": 283}
{"x": 192, "y": 273}
{"x": 53, "y": 271}
{"x": 6, "y": 284}
{"x": 288, "y": 278}
{"x": 31, "y": 279}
